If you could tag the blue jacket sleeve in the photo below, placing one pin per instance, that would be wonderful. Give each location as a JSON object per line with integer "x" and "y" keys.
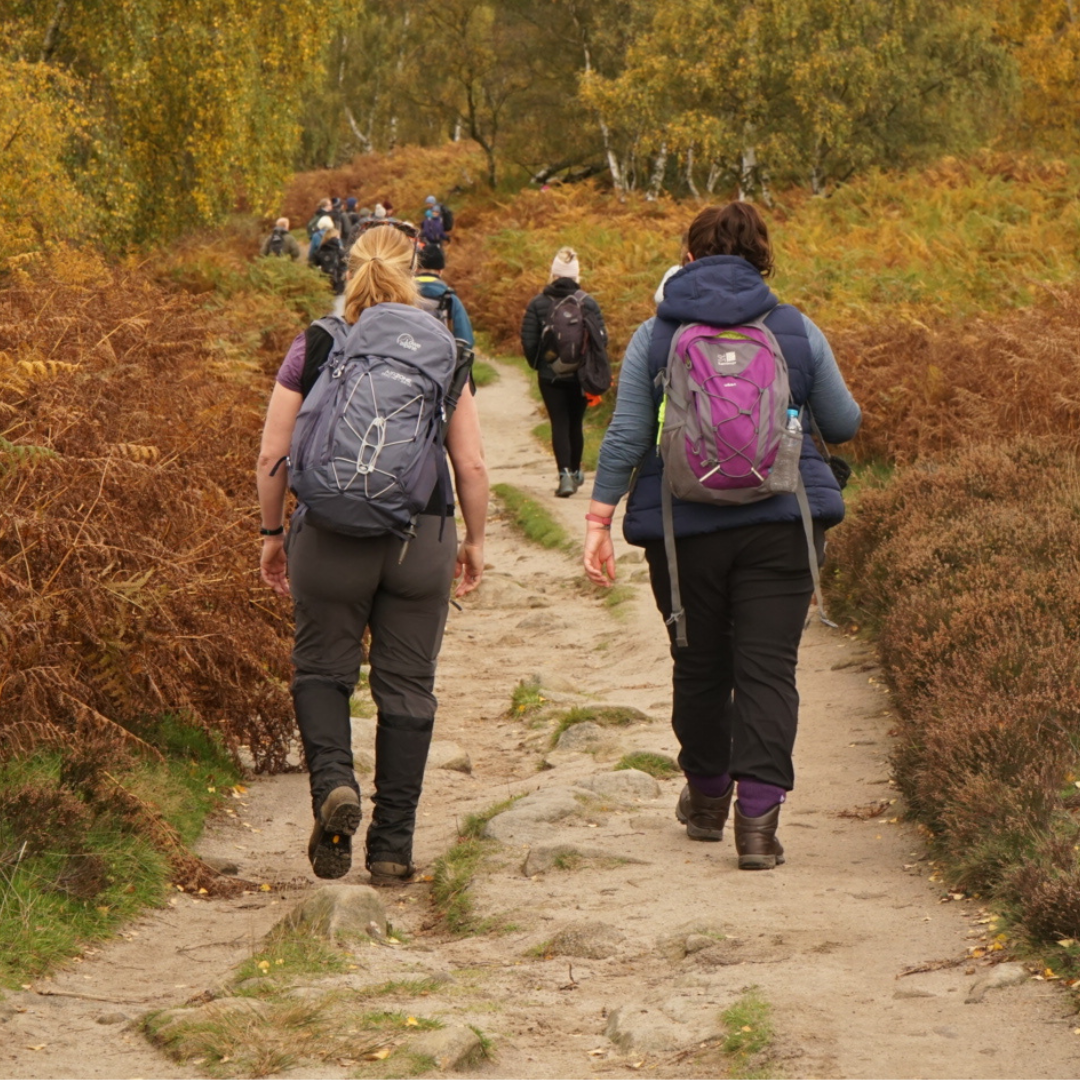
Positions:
{"x": 462, "y": 326}
{"x": 835, "y": 410}
{"x": 630, "y": 435}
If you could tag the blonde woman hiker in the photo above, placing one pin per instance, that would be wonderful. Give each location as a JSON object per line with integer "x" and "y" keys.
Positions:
{"x": 553, "y": 342}
{"x": 373, "y": 542}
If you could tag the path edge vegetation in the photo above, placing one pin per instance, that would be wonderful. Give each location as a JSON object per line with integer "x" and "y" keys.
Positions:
{"x": 903, "y": 570}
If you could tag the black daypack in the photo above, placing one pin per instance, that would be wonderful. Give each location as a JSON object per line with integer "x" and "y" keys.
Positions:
{"x": 447, "y": 216}
{"x": 330, "y": 259}
{"x": 564, "y": 337}
{"x": 595, "y": 371}
{"x": 277, "y": 243}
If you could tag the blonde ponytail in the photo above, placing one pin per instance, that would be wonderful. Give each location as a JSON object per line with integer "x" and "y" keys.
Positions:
{"x": 381, "y": 271}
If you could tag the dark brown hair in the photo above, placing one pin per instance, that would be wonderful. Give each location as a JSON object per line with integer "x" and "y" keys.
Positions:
{"x": 735, "y": 229}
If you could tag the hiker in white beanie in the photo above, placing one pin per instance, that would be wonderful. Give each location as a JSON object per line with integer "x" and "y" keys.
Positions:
{"x": 553, "y": 339}
{"x": 566, "y": 265}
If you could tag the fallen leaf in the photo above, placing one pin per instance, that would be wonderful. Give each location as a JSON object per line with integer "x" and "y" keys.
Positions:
{"x": 39, "y": 1046}
{"x": 746, "y": 1027}
{"x": 264, "y": 887}
{"x": 411, "y": 1021}
{"x": 1066, "y": 942}
{"x": 378, "y": 1055}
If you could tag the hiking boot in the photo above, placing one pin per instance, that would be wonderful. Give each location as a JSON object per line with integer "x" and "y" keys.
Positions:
{"x": 389, "y": 869}
{"x": 579, "y": 479}
{"x": 566, "y": 486}
{"x": 703, "y": 817}
{"x": 330, "y": 846}
{"x": 755, "y": 840}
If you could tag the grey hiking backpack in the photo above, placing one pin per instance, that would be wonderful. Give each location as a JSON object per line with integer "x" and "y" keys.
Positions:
{"x": 366, "y": 452}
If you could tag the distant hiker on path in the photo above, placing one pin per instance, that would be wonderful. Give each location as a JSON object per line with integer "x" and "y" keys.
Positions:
{"x": 281, "y": 241}
{"x": 445, "y": 214}
{"x": 321, "y": 211}
{"x": 554, "y": 338}
{"x": 330, "y": 259}
{"x": 432, "y": 230}
{"x": 358, "y": 555}
{"x": 743, "y": 567}
{"x": 442, "y": 301}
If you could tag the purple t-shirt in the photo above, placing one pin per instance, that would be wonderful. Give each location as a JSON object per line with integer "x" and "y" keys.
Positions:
{"x": 292, "y": 367}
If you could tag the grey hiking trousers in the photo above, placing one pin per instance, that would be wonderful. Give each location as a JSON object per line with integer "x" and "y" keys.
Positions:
{"x": 342, "y": 585}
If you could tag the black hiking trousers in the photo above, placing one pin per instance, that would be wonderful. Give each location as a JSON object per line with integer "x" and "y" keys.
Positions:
{"x": 565, "y": 404}
{"x": 342, "y": 585}
{"x": 746, "y": 593}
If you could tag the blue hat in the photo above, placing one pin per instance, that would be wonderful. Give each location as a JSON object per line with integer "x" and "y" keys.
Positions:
{"x": 350, "y": 203}
{"x": 431, "y": 200}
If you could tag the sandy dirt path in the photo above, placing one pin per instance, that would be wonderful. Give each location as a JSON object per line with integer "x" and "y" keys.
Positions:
{"x": 663, "y": 933}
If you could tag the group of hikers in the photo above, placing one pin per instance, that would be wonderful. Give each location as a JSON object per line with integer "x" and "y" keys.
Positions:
{"x": 725, "y": 401}
{"x": 337, "y": 224}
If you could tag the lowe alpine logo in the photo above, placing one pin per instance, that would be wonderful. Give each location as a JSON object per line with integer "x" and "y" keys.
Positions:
{"x": 407, "y": 341}
{"x": 399, "y": 377}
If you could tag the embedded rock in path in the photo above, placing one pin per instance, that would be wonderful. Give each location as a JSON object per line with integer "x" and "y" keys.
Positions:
{"x": 543, "y": 857}
{"x": 997, "y": 977}
{"x": 450, "y": 756}
{"x": 679, "y": 1022}
{"x": 589, "y": 940}
{"x": 451, "y": 1047}
{"x": 583, "y": 736}
{"x": 554, "y": 758}
{"x": 623, "y": 784}
{"x": 339, "y": 911}
{"x": 541, "y": 620}
{"x": 525, "y": 821}
{"x": 498, "y": 591}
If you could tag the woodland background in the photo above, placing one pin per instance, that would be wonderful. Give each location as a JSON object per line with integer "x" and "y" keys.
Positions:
{"x": 921, "y": 173}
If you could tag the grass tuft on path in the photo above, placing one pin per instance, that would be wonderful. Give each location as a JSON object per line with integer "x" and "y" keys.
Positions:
{"x": 534, "y": 520}
{"x": 604, "y": 715}
{"x": 659, "y": 766}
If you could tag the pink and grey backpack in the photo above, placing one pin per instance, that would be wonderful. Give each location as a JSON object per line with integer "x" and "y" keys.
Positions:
{"x": 725, "y": 405}
{"x": 727, "y": 436}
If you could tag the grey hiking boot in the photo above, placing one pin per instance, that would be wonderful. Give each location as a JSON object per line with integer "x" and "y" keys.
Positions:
{"x": 330, "y": 846}
{"x": 755, "y": 840}
{"x": 579, "y": 478}
{"x": 566, "y": 486}
{"x": 703, "y": 817}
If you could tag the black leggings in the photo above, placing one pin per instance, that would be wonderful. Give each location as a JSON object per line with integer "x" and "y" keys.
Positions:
{"x": 745, "y": 592}
{"x": 565, "y": 404}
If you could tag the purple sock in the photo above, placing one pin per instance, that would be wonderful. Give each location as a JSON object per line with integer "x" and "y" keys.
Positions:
{"x": 756, "y": 798}
{"x": 712, "y": 787}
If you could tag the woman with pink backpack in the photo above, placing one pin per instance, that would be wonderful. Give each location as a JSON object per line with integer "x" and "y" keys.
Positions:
{"x": 725, "y": 380}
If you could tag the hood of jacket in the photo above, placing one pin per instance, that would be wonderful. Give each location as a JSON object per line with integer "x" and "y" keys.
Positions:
{"x": 722, "y": 290}
{"x": 561, "y": 287}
